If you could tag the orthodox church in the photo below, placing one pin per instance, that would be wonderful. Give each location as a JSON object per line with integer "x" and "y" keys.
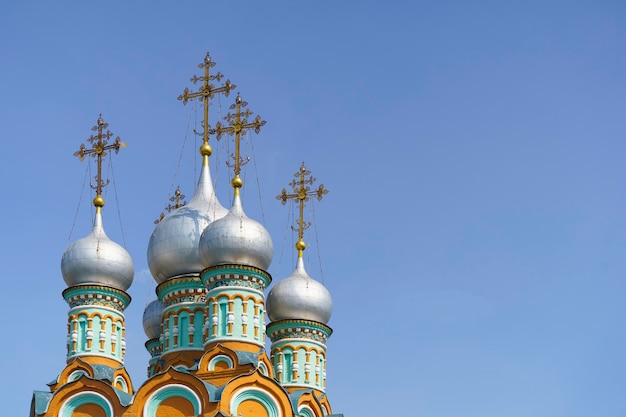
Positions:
{"x": 206, "y": 328}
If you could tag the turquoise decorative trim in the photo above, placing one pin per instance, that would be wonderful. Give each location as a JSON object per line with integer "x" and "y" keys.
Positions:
{"x": 186, "y": 298}
{"x": 187, "y": 289}
{"x": 179, "y": 283}
{"x": 236, "y": 276}
{"x": 259, "y": 395}
{"x": 87, "y": 397}
{"x": 95, "y": 295}
{"x": 299, "y": 329}
{"x": 169, "y": 391}
{"x": 154, "y": 347}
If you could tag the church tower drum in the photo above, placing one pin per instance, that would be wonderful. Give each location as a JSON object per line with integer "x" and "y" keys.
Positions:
{"x": 236, "y": 252}
{"x": 299, "y": 308}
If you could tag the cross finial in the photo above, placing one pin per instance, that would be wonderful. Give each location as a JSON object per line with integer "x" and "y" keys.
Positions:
{"x": 177, "y": 199}
{"x": 206, "y": 91}
{"x": 301, "y": 193}
{"x": 99, "y": 150}
{"x": 238, "y": 122}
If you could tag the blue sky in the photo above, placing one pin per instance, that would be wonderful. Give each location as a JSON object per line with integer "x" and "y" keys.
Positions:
{"x": 474, "y": 232}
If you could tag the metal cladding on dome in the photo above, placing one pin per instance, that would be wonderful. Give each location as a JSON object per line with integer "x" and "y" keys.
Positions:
{"x": 152, "y": 319}
{"x": 299, "y": 297}
{"x": 97, "y": 260}
{"x": 173, "y": 246}
{"x": 236, "y": 239}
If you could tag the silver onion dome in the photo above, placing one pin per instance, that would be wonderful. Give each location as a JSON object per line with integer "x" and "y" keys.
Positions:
{"x": 152, "y": 319}
{"x": 97, "y": 260}
{"x": 236, "y": 239}
{"x": 299, "y": 297}
{"x": 173, "y": 246}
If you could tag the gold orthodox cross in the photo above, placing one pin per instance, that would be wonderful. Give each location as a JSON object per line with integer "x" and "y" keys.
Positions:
{"x": 176, "y": 199}
{"x": 206, "y": 91}
{"x": 238, "y": 122}
{"x": 301, "y": 193}
{"x": 99, "y": 150}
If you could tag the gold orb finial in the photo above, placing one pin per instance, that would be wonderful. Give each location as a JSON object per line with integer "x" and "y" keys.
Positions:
{"x": 237, "y": 182}
{"x": 205, "y": 149}
{"x": 98, "y": 201}
{"x": 300, "y": 245}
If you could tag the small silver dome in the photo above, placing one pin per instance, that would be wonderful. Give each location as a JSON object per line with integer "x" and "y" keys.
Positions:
{"x": 299, "y": 297}
{"x": 173, "y": 246}
{"x": 152, "y": 319}
{"x": 236, "y": 239}
{"x": 97, "y": 260}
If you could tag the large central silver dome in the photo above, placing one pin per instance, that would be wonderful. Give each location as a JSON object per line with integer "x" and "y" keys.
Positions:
{"x": 97, "y": 260}
{"x": 173, "y": 246}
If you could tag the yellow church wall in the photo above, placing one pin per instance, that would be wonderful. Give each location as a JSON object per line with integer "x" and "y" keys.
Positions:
{"x": 175, "y": 407}
{"x": 89, "y": 410}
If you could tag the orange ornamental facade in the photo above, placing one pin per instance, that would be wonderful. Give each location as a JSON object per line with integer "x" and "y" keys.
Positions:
{"x": 207, "y": 327}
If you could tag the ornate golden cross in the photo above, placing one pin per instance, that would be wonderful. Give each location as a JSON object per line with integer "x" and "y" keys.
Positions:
{"x": 206, "y": 91}
{"x": 176, "y": 199}
{"x": 99, "y": 150}
{"x": 238, "y": 122}
{"x": 302, "y": 192}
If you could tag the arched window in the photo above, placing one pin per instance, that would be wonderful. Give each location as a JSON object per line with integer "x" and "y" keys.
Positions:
{"x": 305, "y": 411}
{"x": 75, "y": 375}
{"x": 166, "y": 400}
{"x": 86, "y": 404}
{"x": 263, "y": 369}
{"x": 120, "y": 383}
{"x": 220, "y": 362}
{"x": 250, "y": 402}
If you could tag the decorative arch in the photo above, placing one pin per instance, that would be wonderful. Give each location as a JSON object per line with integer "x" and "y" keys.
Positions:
{"x": 257, "y": 395}
{"x": 169, "y": 391}
{"x": 76, "y": 374}
{"x": 263, "y": 369}
{"x": 216, "y": 361}
{"x": 120, "y": 383}
{"x": 84, "y": 399}
{"x": 312, "y": 405}
{"x": 306, "y": 411}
